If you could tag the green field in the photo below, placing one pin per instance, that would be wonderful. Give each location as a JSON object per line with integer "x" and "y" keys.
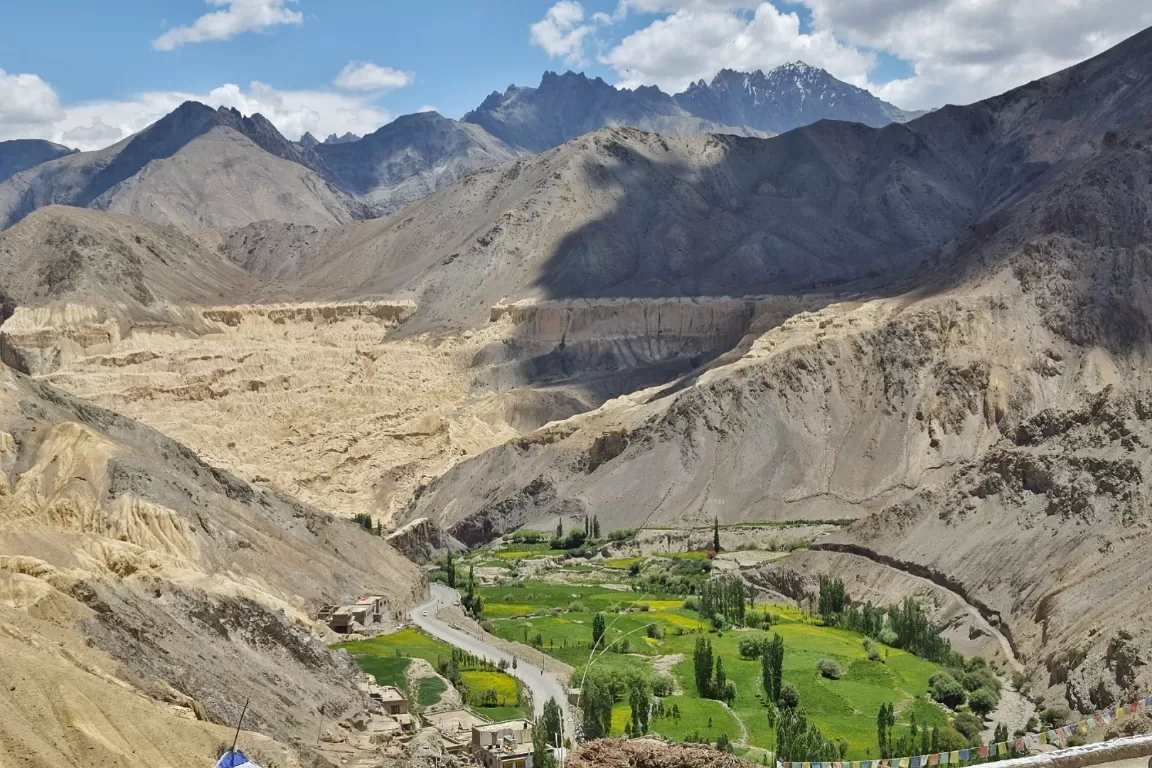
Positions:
{"x": 387, "y": 656}
{"x": 431, "y": 689}
{"x": 387, "y": 670}
{"x": 843, "y": 709}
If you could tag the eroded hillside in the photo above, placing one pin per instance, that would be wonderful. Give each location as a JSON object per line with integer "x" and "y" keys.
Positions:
{"x": 135, "y": 574}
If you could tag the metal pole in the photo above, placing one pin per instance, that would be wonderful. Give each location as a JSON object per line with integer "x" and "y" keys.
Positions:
{"x": 238, "y": 724}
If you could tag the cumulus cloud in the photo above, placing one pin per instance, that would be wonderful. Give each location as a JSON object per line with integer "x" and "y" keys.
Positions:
{"x": 696, "y": 42}
{"x": 367, "y": 76}
{"x": 965, "y": 50}
{"x": 562, "y": 31}
{"x": 27, "y": 100}
{"x": 97, "y": 124}
{"x": 236, "y": 17}
{"x": 959, "y": 50}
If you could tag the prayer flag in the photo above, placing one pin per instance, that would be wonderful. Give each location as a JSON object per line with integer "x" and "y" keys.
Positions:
{"x": 954, "y": 757}
{"x": 965, "y": 755}
{"x": 934, "y": 760}
{"x": 984, "y": 751}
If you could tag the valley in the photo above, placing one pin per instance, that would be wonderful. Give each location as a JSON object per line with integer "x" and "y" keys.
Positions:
{"x": 649, "y": 380}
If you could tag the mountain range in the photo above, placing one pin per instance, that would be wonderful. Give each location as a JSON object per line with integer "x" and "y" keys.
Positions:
{"x": 934, "y": 333}
{"x": 202, "y": 167}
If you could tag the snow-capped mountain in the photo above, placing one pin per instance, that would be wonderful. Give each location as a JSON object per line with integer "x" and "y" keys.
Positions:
{"x": 788, "y": 97}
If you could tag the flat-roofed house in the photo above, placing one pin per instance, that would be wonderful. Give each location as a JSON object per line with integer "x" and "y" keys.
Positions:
{"x": 503, "y": 745}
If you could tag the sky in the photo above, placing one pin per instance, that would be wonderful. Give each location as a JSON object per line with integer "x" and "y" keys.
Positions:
{"x": 88, "y": 73}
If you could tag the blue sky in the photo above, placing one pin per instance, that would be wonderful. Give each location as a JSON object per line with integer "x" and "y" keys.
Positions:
{"x": 87, "y": 73}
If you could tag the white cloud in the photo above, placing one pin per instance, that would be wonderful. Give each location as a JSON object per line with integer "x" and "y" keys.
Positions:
{"x": 428, "y": 108}
{"x": 966, "y": 50}
{"x": 562, "y": 31}
{"x": 26, "y": 99}
{"x": 367, "y": 76}
{"x": 97, "y": 124}
{"x": 960, "y": 50}
{"x": 697, "y": 42}
{"x": 237, "y": 17}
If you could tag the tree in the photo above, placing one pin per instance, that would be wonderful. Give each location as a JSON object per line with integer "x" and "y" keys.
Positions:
{"x": 595, "y": 527}
{"x": 599, "y": 627}
{"x": 715, "y": 534}
{"x": 1000, "y": 735}
{"x": 947, "y": 691}
{"x": 702, "y": 664}
{"x": 472, "y": 603}
{"x": 598, "y": 702}
{"x": 832, "y": 599}
{"x": 982, "y": 702}
{"x": 885, "y": 722}
{"x": 797, "y": 739}
{"x": 450, "y": 571}
{"x": 829, "y": 669}
{"x": 551, "y": 721}
{"x": 723, "y": 743}
{"x": 542, "y": 756}
{"x": 640, "y": 702}
{"x": 720, "y": 683}
{"x": 789, "y": 696}
{"x": 772, "y": 668}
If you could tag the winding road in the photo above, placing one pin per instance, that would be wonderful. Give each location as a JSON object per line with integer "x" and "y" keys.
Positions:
{"x": 544, "y": 685}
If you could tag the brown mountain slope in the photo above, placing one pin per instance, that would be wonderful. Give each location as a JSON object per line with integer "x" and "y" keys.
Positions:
{"x": 983, "y": 421}
{"x": 194, "y": 167}
{"x": 145, "y": 590}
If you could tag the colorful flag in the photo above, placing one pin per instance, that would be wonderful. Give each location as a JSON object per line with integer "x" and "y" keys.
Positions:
{"x": 1133, "y": 707}
{"x": 1120, "y": 711}
{"x": 954, "y": 757}
{"x": 965, "y": 755}
{"x": 904, "y": 762}
{"x": 984, "y": 751}
{"x": 916, "y": 762}
{"x": 933, "y": 759}
{"x": 1109, "y": 716}
{"x": 943, "y": 758}
{"x": 1002, "y": 748}
{"x": 1099, "y": 721}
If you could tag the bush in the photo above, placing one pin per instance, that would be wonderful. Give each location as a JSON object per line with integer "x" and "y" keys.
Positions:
{"x": 968, "y": 724}
{"x": 947, "y": 691}
{"x": 829, "y": 669}
{"x": 643, "y": 607}
{"x": 1077, "y": 740}
{"x": 508, "y": 598}
{"x": 662, "y": 685}
{"x": 723, "y": 743}
{"x": 487, "y": 626}
{"x": 752, "y": 647}
{"x": 888, "y": 637}
{"x": 1054, "y": 717}
{"x": 951, "y": 739}
{"x": 654, "y": 631}
{"x": 526, "y": 537}
{"x": 789, "y": 696}
{"x": 982, "y": 702}
{"x": 576, "y": 607}
{"x": 692, "y": 604}
{"x": 1019, "y": 681}
{"x": 623, "y": 534}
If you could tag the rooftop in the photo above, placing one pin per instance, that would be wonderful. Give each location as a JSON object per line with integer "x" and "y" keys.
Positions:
{"x": 507, "y": 725}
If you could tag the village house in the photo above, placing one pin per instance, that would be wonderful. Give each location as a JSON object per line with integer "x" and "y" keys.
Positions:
{"x": 503, "y": 745}
{"x": 343, "y": 619}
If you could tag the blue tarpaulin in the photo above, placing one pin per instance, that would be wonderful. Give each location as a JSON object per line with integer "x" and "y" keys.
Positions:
{"x": 234, "y": 758}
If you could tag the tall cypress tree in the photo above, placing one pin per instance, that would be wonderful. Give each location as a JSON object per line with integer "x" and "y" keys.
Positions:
{"x": 716, "y": 534}
{"x": 702, "y": 666}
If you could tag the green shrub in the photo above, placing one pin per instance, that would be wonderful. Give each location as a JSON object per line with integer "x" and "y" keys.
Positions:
{"x": 1054, "y": 717}
{"x": 888, "y": 637}
{"x": 968, "y": 724}
{"x": 982, "y": 702}
{"x": 576, "y": 606}
{"x": 789, "y": 696}
{"x": 948, "y": 691}
{"x": 654, "y": 631}
{"x": 723, "y": 743}
{"x": 829, "y": 669}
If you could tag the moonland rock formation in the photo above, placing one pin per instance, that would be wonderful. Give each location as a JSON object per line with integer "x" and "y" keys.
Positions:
{"x": 145, "y": 594}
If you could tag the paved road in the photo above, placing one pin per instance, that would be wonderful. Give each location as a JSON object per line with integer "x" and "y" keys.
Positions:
{"x": 544, "y": 685}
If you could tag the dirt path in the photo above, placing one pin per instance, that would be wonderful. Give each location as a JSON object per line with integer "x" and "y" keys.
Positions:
{"x": 663, "y": 665}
